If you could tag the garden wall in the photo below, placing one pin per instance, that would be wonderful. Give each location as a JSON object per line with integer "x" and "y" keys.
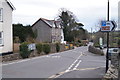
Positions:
{"x": 16, "y": 55}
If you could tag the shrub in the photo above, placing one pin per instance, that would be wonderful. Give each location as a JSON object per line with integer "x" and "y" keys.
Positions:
{"x": 80, "y": 44}
{"x": 46, "y": 48}
{"x": 57, "y": 47}
{"x": 79, "y": 41}
{"x": 96, "y": 45}
{"x": 24, "y": 52}
{"x": 39, "y": 48}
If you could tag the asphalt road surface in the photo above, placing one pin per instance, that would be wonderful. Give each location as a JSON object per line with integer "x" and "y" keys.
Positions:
{"x": 76, "y": 63}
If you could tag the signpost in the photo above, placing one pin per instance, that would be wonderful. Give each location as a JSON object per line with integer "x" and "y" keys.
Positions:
{"x": 107, "y": 26}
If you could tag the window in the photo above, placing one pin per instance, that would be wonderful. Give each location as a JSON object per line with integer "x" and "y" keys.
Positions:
{"x": 1, "y": 38}
{"x": 1, "y": 14}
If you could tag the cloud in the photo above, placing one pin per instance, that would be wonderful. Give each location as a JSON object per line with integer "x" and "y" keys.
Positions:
{"x": 87, "y": 11}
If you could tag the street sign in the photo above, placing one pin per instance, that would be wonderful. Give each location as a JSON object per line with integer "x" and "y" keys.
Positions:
{"x": 107, "y": 26}
{"x": 32, "y": 46}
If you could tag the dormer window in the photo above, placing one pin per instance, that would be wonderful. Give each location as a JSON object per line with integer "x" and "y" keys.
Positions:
{"x": 1, "y": 14}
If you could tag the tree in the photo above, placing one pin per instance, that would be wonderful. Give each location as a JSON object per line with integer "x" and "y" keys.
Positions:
{"x": 22, "y": 32}
{"x": 69, "y": 24}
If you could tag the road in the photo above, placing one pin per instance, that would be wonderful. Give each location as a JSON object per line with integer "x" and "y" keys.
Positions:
{"x": 68, "y": 64}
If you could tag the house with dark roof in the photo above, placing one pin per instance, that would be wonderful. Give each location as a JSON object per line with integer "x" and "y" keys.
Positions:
{"x": 48, "y": 31}
{"x": 6, "y": 33}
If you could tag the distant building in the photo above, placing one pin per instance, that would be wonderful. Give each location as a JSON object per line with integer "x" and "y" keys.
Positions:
{"x": 48, "y": 31}
{"x": 6, "y": 36}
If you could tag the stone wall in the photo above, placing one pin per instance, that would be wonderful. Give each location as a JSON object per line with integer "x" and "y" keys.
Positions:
{"x": 114, "y": 60}
{"x": 112, "y": 72}
{"x": 95, "y": 50}
{"x": 10, "y": 57}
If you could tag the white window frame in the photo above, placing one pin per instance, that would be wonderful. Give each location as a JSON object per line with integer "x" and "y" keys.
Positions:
{"x": 1, "y": 14}
{"x": 1, "y": 38}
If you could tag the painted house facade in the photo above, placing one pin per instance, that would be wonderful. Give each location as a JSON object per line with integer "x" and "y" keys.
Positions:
{"x": 6, "y": 36}
{"x": 48, "y": 31}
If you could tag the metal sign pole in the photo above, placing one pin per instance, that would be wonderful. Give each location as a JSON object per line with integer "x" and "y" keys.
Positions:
{"x": 119, "y": 64}
{"x": 107, "y": 58}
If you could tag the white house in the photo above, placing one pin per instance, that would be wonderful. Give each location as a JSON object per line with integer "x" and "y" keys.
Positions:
{"x": 6, "y": 33}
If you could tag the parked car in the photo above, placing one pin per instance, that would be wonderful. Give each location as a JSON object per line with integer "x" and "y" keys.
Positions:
{"x": 112, "y": 51}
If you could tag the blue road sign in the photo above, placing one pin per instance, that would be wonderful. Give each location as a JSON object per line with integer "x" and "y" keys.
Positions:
{"x": 108, "y": 26}
{"x": 103, "y": 23}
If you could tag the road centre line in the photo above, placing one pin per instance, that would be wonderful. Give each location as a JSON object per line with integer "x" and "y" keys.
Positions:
{"x": 69, "y": 68}
{"x": 77, "y": 65}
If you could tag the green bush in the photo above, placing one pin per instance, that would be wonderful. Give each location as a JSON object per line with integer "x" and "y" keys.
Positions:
{"x": 96, "y": 45}
{"x": 39, "y": 47}
{"x": 24, "y": 52}
{"x": 46, "y": 48}
{"x": 79, "y": 41}
{"x": 80, "y": 44}
{"x": 57, "y": 47}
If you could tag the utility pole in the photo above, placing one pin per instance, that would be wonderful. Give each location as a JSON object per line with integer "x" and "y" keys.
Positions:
{"x": 107, "y": 58}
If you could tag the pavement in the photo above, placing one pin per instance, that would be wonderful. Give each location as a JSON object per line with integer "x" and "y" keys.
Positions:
{"x": 76, "y": 63}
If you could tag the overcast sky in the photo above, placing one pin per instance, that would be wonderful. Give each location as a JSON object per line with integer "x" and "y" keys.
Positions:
{"x": 89, "y": 12}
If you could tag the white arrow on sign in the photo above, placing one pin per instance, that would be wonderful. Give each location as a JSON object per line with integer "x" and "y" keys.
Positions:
{"x": 114, "y": 25}
{"x": 108, "y": 26}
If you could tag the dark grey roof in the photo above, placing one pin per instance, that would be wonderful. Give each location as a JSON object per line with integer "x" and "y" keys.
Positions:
{"x": 52, "y": 23}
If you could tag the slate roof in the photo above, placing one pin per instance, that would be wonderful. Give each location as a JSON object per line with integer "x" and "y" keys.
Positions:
{"x": 50, "y": 23}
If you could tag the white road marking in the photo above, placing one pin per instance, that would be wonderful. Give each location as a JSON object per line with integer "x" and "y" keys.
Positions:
{"x": 77, "y": 65}
{"x": 25, "y": 60}
{"x": 69, "y": 68}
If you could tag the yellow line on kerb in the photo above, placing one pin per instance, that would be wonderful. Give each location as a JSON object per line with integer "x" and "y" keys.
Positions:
{"x": 86, "y": 69}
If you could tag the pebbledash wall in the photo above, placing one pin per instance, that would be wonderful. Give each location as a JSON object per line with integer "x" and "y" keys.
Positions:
{"x": 6, "y": 37}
